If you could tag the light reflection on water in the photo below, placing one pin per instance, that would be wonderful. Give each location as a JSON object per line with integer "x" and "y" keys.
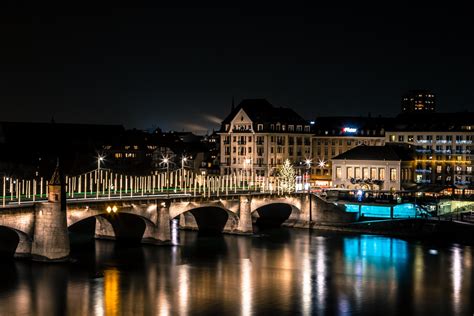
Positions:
{"x": 283, "y": 272}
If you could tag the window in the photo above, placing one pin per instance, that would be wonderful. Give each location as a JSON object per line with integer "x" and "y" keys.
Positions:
{"x": 299, "y": 128}
{"x": 401, "y": 138}
{"x": 350, "y": 172}
{"x": 272, "y": 127}
{"x": 439, "y": 169}
{"x": 410, "y": 138}
{"x": 306, "y": 128}
{"x": 250, "y": 139}
{"x": 291, "y": 128}
{"x": 365, "y": 173}
{"x": 260, "y": 127}
{"x": 338, "y": 173}
{"x": 391, "y": 138}
{"x": 249, "y": 150}
{"x": 393, "y": 174}
{"x": 373, "y": 173}
{"x": 357, "y": 172}
{"x": 381, "y": 174}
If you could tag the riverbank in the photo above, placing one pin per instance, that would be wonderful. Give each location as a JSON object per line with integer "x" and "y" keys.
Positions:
{"x": 452, "y": 231}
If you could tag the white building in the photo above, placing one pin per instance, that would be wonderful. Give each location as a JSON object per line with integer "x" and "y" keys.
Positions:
{"x": 386, "y": 167}
{"x": 257, "y": 137}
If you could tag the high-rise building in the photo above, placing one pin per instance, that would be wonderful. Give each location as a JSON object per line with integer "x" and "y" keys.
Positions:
{"x": 418, "y": 101}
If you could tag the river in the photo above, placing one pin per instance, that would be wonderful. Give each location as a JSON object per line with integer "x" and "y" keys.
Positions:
{"x": 280, "y": 272}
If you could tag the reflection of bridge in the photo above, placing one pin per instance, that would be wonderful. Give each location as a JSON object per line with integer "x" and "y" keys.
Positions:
{"x": 42, "y": 227}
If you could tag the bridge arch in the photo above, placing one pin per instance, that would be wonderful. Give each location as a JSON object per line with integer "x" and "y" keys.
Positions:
{"x": 284, "y": 208}
{"x": 127, "y": 224}
{"x": 212, "y": 216}
{"x": 19, "y": 243}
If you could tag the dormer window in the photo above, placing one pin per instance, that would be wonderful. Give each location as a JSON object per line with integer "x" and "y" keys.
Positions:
{"x": 226, "y": 127}
{"x": 299, "y": 128}
{"x": 291, "y": 128}
{"x": 306, "y": 128}
{"x": 260, "y": 127}
{"x": 272, "y": 127}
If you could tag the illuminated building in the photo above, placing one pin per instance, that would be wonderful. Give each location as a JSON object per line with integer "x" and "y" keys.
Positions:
{"x": 336, "y": 135}
{"x": 257, "y": 137}
{"x": 418, "y": 101}
{"x": 386, "y": 167}
{"x": 444, "y": 146}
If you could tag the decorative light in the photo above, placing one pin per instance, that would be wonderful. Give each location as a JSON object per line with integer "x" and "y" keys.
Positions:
{"x": 109, "y": 209}
{"x": 321, "y": 163}
{"x": 114, "y": 209}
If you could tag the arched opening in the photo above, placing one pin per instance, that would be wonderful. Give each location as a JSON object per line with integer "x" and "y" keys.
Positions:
{"x": 210, "y": 219}
{"x": 127, "y": 228}
{"x": 9, "y": 240}
{"x": 272, "y": 215}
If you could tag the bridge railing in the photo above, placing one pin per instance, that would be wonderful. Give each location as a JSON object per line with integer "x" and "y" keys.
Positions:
{"x": 104, "y": 183}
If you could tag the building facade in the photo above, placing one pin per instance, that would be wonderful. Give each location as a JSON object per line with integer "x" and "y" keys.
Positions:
{"x": 388, "y": 167}
{"x": 444, "y": 147}
{"x": 257, "y": 137}
{"x": 336, "y": 135}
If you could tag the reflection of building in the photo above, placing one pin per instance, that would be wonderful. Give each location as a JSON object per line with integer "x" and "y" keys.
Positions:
{"x": 335, "y": 135}
{"x": 258, "y": 136}
{"x": 444, "y": 146}
{"x": 373, "y": 167}
{"x": 418, "y": 101}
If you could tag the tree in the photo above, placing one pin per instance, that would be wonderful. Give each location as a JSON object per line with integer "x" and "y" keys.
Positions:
{"x": 286, "y": 175}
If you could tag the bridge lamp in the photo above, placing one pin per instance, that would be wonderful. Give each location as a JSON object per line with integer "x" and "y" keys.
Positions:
{"x": 99, "y": 159}
{"x": 109, "y": 209}
{"x": 114, "y": 208}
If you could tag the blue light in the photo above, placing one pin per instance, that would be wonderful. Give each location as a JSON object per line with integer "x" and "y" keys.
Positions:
{"x": 406, "y": 210}
{"x": 375, "y": 249}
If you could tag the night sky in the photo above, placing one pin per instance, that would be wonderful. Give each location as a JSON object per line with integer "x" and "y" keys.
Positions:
{"x": 178, "y": 68}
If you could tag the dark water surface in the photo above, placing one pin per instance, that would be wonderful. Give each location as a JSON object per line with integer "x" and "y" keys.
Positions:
{"x": 280, "y": 272}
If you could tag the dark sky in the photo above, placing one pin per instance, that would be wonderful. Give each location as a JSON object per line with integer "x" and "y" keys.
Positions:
{"x": 178, "y": 68}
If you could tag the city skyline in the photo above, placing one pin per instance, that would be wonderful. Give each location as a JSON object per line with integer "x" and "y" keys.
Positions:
{"x": 178, "y": 68}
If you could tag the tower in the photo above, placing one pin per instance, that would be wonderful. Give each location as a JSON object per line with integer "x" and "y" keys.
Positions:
{"x": 418, "y": 101}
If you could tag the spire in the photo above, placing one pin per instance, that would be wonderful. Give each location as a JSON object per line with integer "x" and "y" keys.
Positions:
{"x": 55, "y": 178}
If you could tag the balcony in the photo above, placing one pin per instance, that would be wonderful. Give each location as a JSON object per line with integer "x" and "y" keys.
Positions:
{"x": 240, "y": 142}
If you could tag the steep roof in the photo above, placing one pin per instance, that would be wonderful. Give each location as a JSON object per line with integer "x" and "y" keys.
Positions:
{"x": 387, "y": 152}
{"x": 55, "y": 178}
{"x": 262, "y": 111}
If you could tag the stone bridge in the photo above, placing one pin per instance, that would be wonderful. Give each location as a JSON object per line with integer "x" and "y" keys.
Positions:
{"x": 43, "y": 228}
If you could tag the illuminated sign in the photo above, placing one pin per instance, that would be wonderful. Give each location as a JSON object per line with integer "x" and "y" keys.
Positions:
{"x": 349, "y": 130}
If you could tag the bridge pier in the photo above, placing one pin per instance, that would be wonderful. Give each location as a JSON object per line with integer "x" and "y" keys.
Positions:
{"x": 23, "y": 250}
{"x": 103, "y": 229}
{"x": 159, "y": 230}
{"x": 50, "y": 238}
{"x": 245, "y": 216}
{"x": 187, "y": 221}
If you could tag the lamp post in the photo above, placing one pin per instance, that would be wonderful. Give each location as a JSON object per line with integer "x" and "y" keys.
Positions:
{"x": 308, "y": 172}
{"x": 166, "y": 161}
{"x": 183, "y": 161}
{"x": 99, "y": 159}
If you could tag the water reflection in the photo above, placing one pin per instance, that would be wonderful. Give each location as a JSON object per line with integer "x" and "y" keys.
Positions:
{"x": 281, "y": 272}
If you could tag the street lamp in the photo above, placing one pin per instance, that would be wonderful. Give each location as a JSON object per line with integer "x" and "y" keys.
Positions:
{"x": 183, "y": 162}
{"x": 99, "y": 159}
{"x": 166, "y": 161}
{"x": 307, "y": 162}
{"x": 308, "y": 172}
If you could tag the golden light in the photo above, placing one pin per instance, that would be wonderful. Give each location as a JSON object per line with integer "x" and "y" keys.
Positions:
{"x": 109, "y": 209}
{"x": 115, "y": 209}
